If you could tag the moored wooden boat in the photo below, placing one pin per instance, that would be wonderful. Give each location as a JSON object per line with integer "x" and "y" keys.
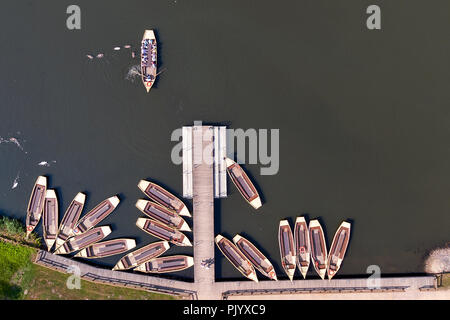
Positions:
{"x": 302, "y": 246}
{"x": 160, "y": 213}
{"x": 163, "y": 232}
{"x": 243, "y": 183}
{"x": 318, "y": 248}
{"x": 259, "y": 261}
{"x": 36, "y": 204}
{"x": 287, "y": 248}
{"x": 338, "y": 249}
{"x": 149, "y": 57}
{"x": 84, "y": 240}
{"x": 70, "y": 218}
{"x": 236, "y": 257}
{"x": 142, "y": 255}
{"x": 50, "y": 218}
{"x": 107, "y": 248}
{"x": 166, "y": 264}
{"x": 96, "y": 215}
{"x": 160, "y": 195}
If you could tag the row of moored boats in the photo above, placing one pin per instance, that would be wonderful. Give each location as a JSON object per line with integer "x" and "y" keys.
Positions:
{"x": 83, "y": 235}
{"x": 164, "y": 220}
{"x": 307, "y": 244}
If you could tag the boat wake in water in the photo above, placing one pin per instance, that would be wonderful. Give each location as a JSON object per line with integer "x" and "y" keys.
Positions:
{"x": 45, "y": 163}
{"x": 16, "y": 181}
{"x": 133, "y": 73}
{"x": 12, "y": 140}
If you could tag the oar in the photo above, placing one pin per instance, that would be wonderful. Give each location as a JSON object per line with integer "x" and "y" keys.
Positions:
{"x": 160, "y": 72}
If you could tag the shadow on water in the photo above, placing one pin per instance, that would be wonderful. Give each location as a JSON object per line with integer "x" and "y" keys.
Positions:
{"x": 159, "y": 57}
{"x": 87, "y": 202}
{"x": 60, "y": 197}
{"x": 352, "y": 224}
{"x": 122, "y": 199}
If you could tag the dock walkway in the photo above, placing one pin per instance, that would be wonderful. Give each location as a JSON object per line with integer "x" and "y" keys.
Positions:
{"x": 203, "y": 215}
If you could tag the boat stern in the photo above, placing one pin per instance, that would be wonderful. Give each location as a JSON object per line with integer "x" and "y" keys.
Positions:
{"x": 149, "y": 34}
{"x": 41, "y": 180}
{"x": 141, "y": 204}
{"x": 189, "y": 262}
{"x": 106, "y": 230}
{"x": 229, "y": 162}
{"x": 346, "y": 225}
{"x": 130, "y": 243}
{"x": 50, "y": 194}
{"x": 166, "y": 245}
{"x": 256, "y": 203}
{"x": 300, "y": 220}
{"x": 143, "y": 185}
{"x": 284, "y": 223}
{"x": 218, "y": 238}
{"x": 314, "y": 223}
{"x": 114, "y": 201}
{"x": 80, "y": 197}
{"x": 141, "y": 222}
{"x": 236, "y": 238}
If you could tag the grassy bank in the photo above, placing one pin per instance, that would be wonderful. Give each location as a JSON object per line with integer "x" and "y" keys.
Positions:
{"x": 15, "y": 270}
{"x": 446, "y": 281}
{"x": 22, "y": 279}
{"x": 14, "y": 230}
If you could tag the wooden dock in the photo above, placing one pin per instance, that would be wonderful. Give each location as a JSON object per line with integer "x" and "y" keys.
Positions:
{"x": 204, "y": 285}
{"x": 203, "y": 214}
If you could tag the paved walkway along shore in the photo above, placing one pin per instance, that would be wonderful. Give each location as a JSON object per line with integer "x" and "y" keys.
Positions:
{"x": 392, "y": 287}
{"x": 117, "y": 278}
{"x": 205, "y": 286}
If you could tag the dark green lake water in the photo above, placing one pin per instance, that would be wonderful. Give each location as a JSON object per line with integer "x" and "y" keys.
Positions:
{"x": 364, "y": 116}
